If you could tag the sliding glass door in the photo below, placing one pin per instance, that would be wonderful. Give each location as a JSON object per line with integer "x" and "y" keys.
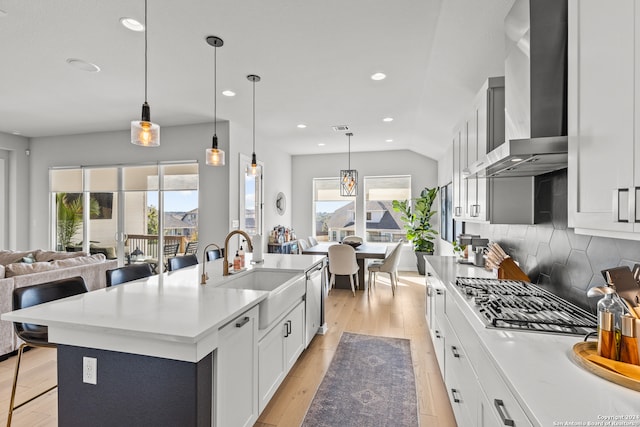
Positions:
{"x": 126, "y": 212}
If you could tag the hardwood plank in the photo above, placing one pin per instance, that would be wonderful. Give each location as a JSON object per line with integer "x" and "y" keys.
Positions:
{"x": 379, "y": 313}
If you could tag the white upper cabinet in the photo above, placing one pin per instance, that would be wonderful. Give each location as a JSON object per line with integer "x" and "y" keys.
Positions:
{"x": 481, "y": 131}
{"x": 603, "y": 164}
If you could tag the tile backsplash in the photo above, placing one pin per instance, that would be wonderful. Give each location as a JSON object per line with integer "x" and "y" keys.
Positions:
{"x": 551, "y": 254}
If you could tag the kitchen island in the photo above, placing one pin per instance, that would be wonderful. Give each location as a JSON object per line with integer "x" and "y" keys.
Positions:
{"x": 528, "y": 378}
{"x": 162, "y": 347}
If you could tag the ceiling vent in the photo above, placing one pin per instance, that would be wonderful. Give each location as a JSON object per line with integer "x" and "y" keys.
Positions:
{"x": 340, "y": 128}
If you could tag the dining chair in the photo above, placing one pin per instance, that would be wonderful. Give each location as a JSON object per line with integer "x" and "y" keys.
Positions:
{"x": 353, "y": 238}
{"x": 388, "y": 265}
{"x": 342, "y": 262}
{"x": 178, "y": 262}
{"x": 214, "y": 254}
{"x": 302, "y": 245}
{"x": 192, "y": 248}
{"x": 128, "y": 273}
{"x": 37, "y": 335}
{"x": 313, "y": 241}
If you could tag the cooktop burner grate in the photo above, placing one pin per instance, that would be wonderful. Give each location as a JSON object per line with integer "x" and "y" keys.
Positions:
{"x": 510, "y": 304}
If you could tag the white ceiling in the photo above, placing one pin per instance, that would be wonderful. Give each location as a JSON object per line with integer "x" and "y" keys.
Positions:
{"x": 315, "y": 58}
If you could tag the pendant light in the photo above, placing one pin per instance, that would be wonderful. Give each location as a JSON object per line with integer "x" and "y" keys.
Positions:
{"x": 143, "y": 131}
{"x": 215, "y": 156}
{"x": 254, "y": 168}
{"x": 349, "y": 177}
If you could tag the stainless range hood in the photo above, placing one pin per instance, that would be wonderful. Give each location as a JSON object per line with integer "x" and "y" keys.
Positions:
{"x": 522, "y": 158}
{"x": 535, "y": 93}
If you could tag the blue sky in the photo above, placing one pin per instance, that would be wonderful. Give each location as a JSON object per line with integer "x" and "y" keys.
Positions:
{"x": 175, "y": 201}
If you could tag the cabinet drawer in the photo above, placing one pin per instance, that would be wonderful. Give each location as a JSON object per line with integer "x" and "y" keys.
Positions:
{"x": 438, "y": 340}
{"x": 460, "y": 380}
{"x": 502, "y": 403}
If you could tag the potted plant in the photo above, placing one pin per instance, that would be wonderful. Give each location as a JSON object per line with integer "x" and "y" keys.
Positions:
{"x": 69, "y": 217}
{"x": 417, "y": 223}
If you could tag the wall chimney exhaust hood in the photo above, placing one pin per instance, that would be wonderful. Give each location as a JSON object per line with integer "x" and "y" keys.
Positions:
{"x": 535, "y": 93}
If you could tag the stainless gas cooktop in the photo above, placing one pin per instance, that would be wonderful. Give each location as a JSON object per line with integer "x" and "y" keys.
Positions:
{"x": 516, "y": 305}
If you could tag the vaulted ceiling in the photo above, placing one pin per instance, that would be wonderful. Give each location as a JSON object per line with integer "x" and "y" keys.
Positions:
{"x": 315, "y": 58}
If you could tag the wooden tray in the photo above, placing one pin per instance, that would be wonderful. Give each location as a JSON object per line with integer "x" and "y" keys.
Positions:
{"x": 583, "y": 350}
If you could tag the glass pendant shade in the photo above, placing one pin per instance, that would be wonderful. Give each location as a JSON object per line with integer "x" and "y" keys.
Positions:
{"x": 215, "y": 156}
{"x": 254, "y": 168}
{"x": 348, "y": 182}
{"x": 144, "y": 132}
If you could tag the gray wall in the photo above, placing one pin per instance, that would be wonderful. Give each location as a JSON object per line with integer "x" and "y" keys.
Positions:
{"x": 554, "y": 256}
{"x": 423, "y": 171}
{"x": 17, "y": 224}
{"x": 217, "y": 187}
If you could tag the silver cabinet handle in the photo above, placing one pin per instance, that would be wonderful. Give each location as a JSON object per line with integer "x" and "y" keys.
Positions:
{"x": 501, "y": 411}
{"x": 457, "y": 211}
{"x": 240, "y": 323}
{"x": 454, "y": 350}
{"x": 455, "y": 392}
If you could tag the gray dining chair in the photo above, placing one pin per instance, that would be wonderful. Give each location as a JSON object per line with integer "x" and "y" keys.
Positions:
{"x": 342, "y": 262}
{"x": 388, "y": 265}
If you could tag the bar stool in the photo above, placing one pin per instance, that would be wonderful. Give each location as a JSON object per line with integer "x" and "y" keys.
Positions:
{"x": 37, "y": 335}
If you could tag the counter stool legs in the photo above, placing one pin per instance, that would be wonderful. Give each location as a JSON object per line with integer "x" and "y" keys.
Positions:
{"x": 15, "y": 384}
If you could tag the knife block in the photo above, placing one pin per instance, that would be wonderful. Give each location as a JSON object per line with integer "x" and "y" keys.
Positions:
{"x": 509, "y": 270}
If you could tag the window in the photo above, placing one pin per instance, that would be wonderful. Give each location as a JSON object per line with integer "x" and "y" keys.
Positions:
{"x": 123, "y": 210}
{"x": 382, "y": 223}
{"x": 334, "y": 215}
{"x": 251, "y": 195}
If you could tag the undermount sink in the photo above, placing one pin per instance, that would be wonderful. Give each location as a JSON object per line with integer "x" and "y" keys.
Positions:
{"x": 284, "y": 289}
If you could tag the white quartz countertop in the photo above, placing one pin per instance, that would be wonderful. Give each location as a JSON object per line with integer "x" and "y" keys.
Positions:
{"x": 170, "y": 315}
{"x": 551, "y": 388}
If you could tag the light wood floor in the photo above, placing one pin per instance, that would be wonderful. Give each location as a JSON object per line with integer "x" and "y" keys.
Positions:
{"x": 381, "y": 314}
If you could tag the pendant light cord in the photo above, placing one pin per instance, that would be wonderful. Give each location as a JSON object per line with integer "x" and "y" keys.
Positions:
{"x": 146, "y": 31}
{"x": 215, "y": 91}
{"x": 349, "y": 156}
{"x": 254, "y": 115}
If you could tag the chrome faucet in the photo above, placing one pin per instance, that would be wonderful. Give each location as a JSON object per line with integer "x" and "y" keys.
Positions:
{"x": 225, "y": 265}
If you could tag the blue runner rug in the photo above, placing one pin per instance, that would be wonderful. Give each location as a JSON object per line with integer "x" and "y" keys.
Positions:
{"x": 370, "y": 382}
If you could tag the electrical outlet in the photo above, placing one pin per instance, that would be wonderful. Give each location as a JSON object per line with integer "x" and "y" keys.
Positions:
{"x": 90, "y": 370}
{"x": 235, "y": 224}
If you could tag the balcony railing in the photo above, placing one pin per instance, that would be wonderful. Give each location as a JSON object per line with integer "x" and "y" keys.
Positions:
{"x": 148, "y": 244}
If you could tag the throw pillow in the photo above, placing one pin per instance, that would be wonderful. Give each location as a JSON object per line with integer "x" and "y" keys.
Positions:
{"x": 29, "y": 259}
{"x": 20, "y": 268}
{"x": 10, "y": 257}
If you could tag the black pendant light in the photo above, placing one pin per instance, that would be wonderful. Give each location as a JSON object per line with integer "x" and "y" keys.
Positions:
{"x": 254, "y": 168}
{"x": 143, "y": 131}
{"x": 215, "y": 156}
{"x": 349, "y": 177}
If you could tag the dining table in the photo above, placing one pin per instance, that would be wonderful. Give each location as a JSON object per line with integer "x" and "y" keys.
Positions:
{"x": 363, "y": 252}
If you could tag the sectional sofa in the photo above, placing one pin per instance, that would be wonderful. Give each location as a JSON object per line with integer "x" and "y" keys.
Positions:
{"x": 25, "y": 268}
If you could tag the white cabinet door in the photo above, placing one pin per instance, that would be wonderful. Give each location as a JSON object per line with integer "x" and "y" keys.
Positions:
{"x": 458, "y": 196}
{"x": 272, "y": 364}
{"x": 313, "y": 302}
{"x": 236, "y": 391}
{"x": 472, "y": 156}
{"x": 601, "y": 115}
{"x": 294, "y": 336}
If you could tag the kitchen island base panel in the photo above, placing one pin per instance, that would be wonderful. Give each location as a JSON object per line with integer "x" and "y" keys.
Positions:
{"x": 133, "y": 390}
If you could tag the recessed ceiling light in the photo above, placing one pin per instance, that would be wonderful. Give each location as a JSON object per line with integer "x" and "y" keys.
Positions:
{"x": 132, "y": 24}
{"x": 388, "y": 140}
{"x": 516, "y": 159}
{"x": 387, "y": 119}
{"x": 228, "y": 93}
{"x": 302, "y": 126}
{"x": 378, "y": 76}
{"x": 83, "y": 65}
{"x": 321, "y": 144}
